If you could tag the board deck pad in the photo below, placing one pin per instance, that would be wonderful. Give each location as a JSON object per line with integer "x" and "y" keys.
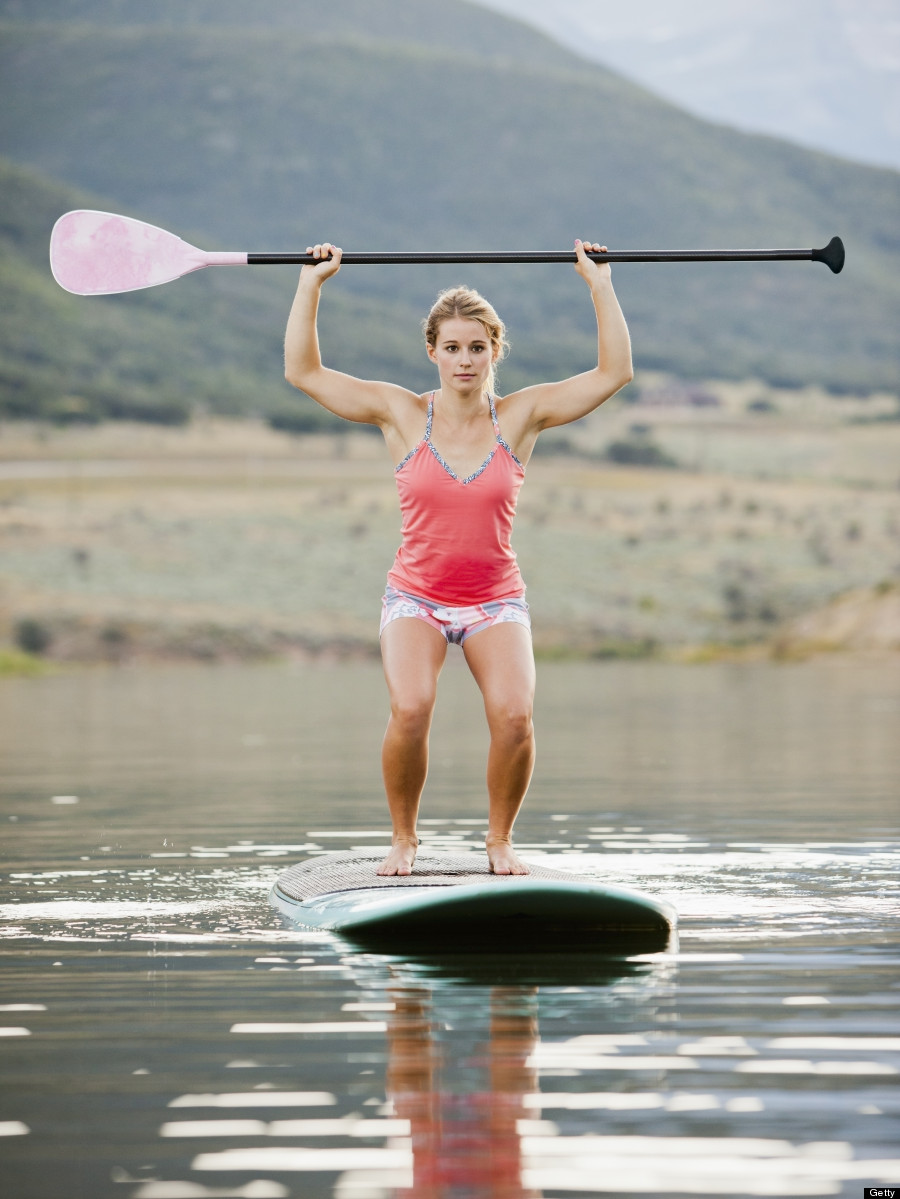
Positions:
{"x": 454, "y": 902}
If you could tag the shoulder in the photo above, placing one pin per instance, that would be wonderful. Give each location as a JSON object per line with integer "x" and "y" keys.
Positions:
{"x": 409, "y": 405}
{"x": 404, "y": 423}
{"x": 397, "y": 404}
{"x": 516, "y": 410}
{"x": 516, "y": 422}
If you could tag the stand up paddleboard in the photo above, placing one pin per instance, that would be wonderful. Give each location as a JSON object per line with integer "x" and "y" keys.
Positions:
{"x": 452, "y": 903}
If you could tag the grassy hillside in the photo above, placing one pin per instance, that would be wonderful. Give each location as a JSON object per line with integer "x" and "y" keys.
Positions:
{"x": 451, "y": 24}
{"x": 213, "y": 343}
{"x": 260, "y": 140}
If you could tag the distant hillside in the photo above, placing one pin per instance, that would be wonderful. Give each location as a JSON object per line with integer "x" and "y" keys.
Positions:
{"x": 819, "y": 72}
{"x": 449, "y": 24}
{"x": 254, "y": 139}
{"x": 62, "y": 358}
{"x": 213, "y": 342}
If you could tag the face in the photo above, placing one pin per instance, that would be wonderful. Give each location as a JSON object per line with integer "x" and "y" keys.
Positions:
{"x": 463, "y": 354}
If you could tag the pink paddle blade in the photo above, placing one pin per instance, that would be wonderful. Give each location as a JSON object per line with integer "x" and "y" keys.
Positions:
{"x": 98, "y": 253}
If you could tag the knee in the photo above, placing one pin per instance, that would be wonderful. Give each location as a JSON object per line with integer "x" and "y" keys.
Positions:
{"x": 511, "y": 721}
{"x": 411, "y": 715}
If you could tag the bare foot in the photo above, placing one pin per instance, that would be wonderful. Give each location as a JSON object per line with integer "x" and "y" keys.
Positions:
{"x": 502, "y": 857}
{"x": 400, "y": 859}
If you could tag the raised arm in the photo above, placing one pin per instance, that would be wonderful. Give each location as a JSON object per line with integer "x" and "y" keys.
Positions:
{"x": 360, "y": 400}
{"x": 550, "y": 404}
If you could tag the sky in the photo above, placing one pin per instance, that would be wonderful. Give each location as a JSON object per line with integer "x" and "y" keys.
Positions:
{"x": 825, "y": 73}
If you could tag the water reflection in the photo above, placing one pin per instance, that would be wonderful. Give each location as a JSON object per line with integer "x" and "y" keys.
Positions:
{"x": 473, "y": 1092}
{"x": 465, "y": 1103}
{"x": 450, "y": 1069}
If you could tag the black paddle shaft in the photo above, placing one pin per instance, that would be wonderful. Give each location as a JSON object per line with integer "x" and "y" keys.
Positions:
{"x": 832, "y": 255}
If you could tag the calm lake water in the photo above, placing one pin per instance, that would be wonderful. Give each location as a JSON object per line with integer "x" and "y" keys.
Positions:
{"x": 167, "y": 1035}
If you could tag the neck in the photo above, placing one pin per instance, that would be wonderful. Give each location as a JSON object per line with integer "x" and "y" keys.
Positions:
{"x": 465, "y": 402}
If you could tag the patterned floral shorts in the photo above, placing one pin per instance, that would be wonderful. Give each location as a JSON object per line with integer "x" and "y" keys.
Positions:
{"x": 456, "y": 624}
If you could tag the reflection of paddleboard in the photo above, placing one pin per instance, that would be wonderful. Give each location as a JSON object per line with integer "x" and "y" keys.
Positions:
{"x": 453, "y": 902}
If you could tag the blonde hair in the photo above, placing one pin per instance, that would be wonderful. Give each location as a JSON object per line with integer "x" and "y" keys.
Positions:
{"x": 465, "y": 303}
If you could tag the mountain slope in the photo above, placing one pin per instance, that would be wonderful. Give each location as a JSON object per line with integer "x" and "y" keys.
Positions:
{"x": 262, "y": 140}
{"x": 820, "y": 72}
{"x": 214, "y": 341}
{"x": 459, "y": 25}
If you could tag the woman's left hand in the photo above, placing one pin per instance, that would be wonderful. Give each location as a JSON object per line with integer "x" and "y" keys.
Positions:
{"x": 586, "y": 267}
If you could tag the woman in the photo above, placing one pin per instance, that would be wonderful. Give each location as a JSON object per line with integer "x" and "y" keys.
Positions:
{"x": 462, "y": 453}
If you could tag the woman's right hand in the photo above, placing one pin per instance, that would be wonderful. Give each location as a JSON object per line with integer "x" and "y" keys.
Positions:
{"x": 329, "y": 262}
{"x": 587, "y": 267}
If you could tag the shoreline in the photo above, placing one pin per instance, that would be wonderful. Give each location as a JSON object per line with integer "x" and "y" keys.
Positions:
{"x": 229, "y": 541}
{"x": 860, "y": 625}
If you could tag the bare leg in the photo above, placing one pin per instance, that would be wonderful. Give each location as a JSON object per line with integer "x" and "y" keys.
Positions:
{"x": 502, "y": 661}
{"x": 413, "y": 653}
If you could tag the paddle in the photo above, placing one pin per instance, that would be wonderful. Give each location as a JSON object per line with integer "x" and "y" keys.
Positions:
{"x": 99, "y": 253}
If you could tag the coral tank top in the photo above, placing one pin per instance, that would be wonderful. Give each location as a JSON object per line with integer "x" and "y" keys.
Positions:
{"x": 456, "y": 532}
